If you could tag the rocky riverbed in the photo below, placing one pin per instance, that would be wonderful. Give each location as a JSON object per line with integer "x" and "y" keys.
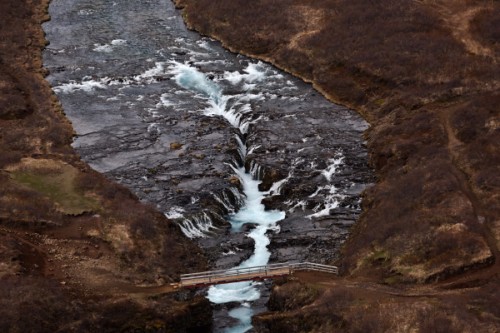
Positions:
{"x": 121, "y": 70}
{"x": 114, "y": 68}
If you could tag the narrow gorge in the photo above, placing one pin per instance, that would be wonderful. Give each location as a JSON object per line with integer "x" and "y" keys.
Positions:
{"x": 250, "y": 162}
{"x": 134, "y": 150}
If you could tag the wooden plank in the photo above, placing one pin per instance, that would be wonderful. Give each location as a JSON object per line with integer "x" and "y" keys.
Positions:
{"x": 215, "y": 279}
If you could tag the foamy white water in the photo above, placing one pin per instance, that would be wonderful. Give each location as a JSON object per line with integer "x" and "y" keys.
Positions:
{"x": 118, "y": 80}
{"x": 253, "y": 211}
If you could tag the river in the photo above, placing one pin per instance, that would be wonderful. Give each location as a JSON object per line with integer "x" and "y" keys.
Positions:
{"x": 251, "y": 163}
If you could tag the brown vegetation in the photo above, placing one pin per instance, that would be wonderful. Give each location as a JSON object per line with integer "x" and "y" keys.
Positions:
{"x": 425, "y": 75}
{"x": 348, "y": 306}
{"x": 75, "y": 248}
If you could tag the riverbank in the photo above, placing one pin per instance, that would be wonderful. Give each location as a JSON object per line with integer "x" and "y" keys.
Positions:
{"x": 187, "y": 126}
{"x": 425, "y": 75}
{"x": 76, "y": 249}
{"x": 400, "y": 108}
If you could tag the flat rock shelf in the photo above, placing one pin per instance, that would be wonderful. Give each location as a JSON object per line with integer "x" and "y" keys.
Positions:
{"x": 181, "y": 121}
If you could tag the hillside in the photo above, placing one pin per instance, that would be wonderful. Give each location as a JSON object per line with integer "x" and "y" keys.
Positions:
{"x": 77, "y": 252}
{"x": 425, "y": 75}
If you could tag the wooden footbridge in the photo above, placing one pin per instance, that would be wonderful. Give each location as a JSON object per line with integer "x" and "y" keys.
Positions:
{"x": 249, "y": 273}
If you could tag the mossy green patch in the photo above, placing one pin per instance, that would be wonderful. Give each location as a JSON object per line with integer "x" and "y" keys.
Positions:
{"x": 58, "y": 185}
{"x": 380, "y": 256}
{"x": 394, "y": 279}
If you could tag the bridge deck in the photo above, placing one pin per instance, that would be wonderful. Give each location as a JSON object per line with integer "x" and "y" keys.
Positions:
{"x": 250, "y": 273}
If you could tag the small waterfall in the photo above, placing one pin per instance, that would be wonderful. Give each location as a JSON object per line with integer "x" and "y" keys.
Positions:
{"x": 253, "y": 211}
{"x": 242, "y": 149}
{"x": 332, "y": 168}
{"x": 256, "y": 170}
{"x": 197, "y": 225}
{"x": 332, "y": 197}
{"x": 276, "y": 187}
{"x": 230, "y": 199}
{"x": 88, "y": 84}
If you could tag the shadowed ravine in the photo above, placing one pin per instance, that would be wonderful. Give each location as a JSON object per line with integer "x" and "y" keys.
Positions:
{"x": 252, "y": 211}
{"x": 250, "y": 162}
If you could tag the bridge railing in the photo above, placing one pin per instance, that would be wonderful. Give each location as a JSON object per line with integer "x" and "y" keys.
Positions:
{"x": 235, "y": 271}
{"x": 249, "y": 273}
{"x": 309, "y": 266}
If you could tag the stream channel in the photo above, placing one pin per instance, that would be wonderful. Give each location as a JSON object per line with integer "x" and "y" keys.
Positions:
{"x": 250, "y": 162}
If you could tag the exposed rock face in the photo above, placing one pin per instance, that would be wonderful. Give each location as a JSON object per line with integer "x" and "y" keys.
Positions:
{"x": 78, "y": 252}
{"x": 425, "y": 75}
{"x": 317, "y": 161}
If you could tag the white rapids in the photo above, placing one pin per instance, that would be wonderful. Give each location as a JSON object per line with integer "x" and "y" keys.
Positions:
{"x": 143, "y": 82}
{"x": 234, "y": 110}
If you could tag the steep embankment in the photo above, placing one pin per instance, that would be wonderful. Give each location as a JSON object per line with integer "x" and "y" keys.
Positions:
{"x": 425, "y": 75}
{"x": 75, "y": 248}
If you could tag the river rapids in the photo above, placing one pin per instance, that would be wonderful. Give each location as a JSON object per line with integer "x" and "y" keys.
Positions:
{"x": 250, "y": 162}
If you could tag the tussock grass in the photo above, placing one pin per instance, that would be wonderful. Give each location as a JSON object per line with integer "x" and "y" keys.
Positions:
{"x": 56, "y": 181}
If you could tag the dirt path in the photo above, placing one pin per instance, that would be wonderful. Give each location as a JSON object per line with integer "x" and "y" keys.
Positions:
{"x": 458, "y": 18}
{"x": 480, "y": 213}
{"x": 454, "y": 286}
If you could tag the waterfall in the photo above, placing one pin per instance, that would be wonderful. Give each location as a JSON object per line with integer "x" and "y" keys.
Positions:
{"x": 135, "y": 83}
{"x": 252, "y": 211}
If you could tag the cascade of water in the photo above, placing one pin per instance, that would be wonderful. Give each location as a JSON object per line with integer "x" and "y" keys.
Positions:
{"x": 252, "y": 210}
{"x": 197, "y": 225}
{"x": 256, "y": 170}
{"x": 230, "y": 199}
{"x": 330, "y": 192}
{"x": 133, "y": 91}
